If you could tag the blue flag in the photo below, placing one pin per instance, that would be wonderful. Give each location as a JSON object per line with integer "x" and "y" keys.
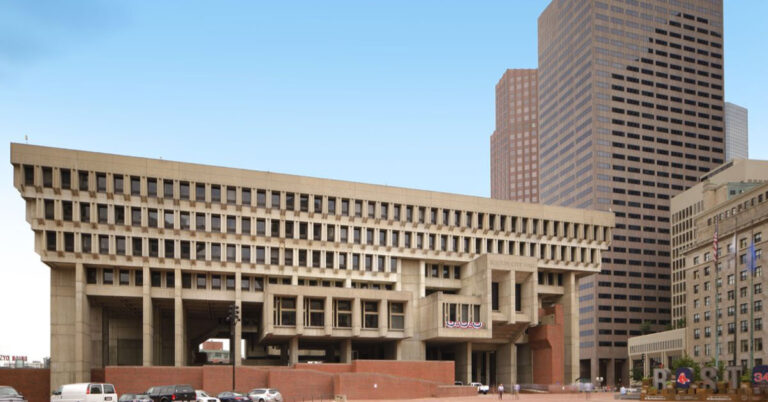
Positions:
{"x": 751, "y": 257}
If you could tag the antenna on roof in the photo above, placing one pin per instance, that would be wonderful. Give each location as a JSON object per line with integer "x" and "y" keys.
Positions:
{"x": 26, "y": 138}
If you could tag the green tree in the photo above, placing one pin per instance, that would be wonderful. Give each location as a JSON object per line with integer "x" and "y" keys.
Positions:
{"x": 645, "y": 327}
{"x": 687, "y": 361}
{"x": 637, "y": 373}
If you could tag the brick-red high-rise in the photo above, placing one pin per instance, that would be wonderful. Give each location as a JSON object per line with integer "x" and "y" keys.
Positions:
{"x": 515, "y": 142}
{"x": 631, "y": 114}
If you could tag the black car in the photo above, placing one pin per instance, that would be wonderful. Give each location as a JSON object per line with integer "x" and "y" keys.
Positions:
{"x": 233, "y": 397}
{"x": 135, "y": 398}
{"x": 8, "y": 394}
{"x": 172, "y": 393}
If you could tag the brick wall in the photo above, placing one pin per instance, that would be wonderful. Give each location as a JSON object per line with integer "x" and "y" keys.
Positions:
{"x": 302, "y": 384}
{"x": 219, "y": 378}
{"x": 382, "y": 386}
{"x": 437, "y": 371}
{"x": 364, "y": 379}
{"x": 548, "y": 348}
{"x": 138, "y": 379}
{"x": 334, "y": 368}
{"x": 32, "y": 383}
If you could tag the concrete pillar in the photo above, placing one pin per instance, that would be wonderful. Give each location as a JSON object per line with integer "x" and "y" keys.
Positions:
{"x": 62, "y": 327}
{"x": 237, "y": 347}
{"x": 328, "y": 315}
{"x": 570, "y": 304}
{"x": 506, "y": 365}
{"x": 299, "y": 314}
{"x": 524, "y": 364}
{"x": 178, "y": 322}
{"x": 147, "y": 331}
{"x": 346, "y": 351}
{"x": 82, "y": 313}
{"x": 383, "y": 321}
{"x": 464, "y": 362}
{"x": 610, "y": 373}
{"x": 646, "y": 372}
{"x": 356, "y": 317}
{"x": 487, "y": 368}
{"x": 293, "y": 353}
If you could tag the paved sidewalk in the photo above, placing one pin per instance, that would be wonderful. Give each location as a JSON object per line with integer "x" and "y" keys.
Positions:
{"x": 595, "y": 396}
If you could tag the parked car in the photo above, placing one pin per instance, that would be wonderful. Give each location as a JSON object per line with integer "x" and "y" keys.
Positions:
{"x": 135, "y": 398}
{"x": 9, "y": 394}
{"x": 481, "y": 389}
{"x": 172, "y": 393}
{"x": 458, "y": 383}
{"x": 229, "y": 396}
{"x": 202, "y": 396}
{"x": 85, "y": 392}
{"x": 265, "y": 395}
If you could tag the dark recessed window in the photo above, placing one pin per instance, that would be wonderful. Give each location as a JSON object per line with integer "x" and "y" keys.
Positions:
{"x": 215, "y": 193}
{"x": 135, "y": 185}
{"x": 66, "y": 178}
{"x": 82, "y": 181}
{"x": 108, "y": 277}
{"x": 167, "y": 188}
{"x": 125, "y": 277}
{"x": 91, "y": 276}
{"x": 184, "y": 190}
{"x": 152, "y": 187}
{"x": 29, "y": 175}
{"x": 118, "y": 183}
{"x": 47, "y": 177}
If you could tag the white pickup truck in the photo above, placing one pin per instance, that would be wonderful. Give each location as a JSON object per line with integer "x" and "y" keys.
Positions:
{"x": 480, "y": 387}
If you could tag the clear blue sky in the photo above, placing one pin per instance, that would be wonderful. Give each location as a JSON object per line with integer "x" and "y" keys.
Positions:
{"x": 389, "y": 92}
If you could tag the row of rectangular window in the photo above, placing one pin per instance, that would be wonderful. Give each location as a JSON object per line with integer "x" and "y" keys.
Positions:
{"x": 213, "y": 251}
{"x": 323, "y": 204}
{"x": 285, "y": 313}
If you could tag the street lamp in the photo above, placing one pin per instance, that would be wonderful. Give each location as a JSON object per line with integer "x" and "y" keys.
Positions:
{"x": 233, "y": 317}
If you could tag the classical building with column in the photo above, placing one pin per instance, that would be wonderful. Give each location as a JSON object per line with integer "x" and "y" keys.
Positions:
{"x": 146, "y": 257}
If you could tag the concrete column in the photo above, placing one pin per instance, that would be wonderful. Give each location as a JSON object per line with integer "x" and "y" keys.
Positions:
{"x": 356, "y": 317}
{"x": 328, "y": 322}
{"x": 506, "y": 365}
{"x": 237, "y": 347}
{"x": 178, "y": 322}
{"x": 293, "y": 353}
{"x": 464, "y": 362}
{"x": 610, "y": 373}
{"x": 147, "y": 330}
{"x": 487, "y": 368}
{"x": 82, "y": 364}
{"x": 646, "y": 372}
{"x": 383, "y": 316}
{"x": 570, "y": 304}
{"x": 299, "y": 314}
{"x": 346, "y": 351}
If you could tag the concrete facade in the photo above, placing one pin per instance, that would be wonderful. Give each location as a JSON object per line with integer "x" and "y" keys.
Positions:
{"x": 146, "y": 256}
{"x": 630, "y": 114}
{"x": 656, "y": 350}
{"x": 515, "y": 141}
{"x": 736, "y": 132}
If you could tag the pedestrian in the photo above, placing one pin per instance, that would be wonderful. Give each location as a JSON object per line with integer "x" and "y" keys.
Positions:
{"x": 516, "y": 388}
{"x": 588, "y": 390}
{"x": 501, "y": 390}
